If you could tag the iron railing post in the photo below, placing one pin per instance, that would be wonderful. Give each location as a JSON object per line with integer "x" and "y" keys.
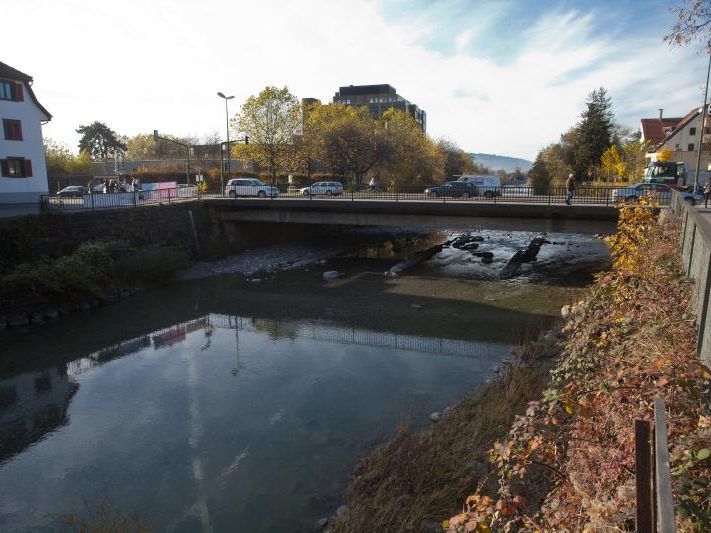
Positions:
{"x": 643, "y": 476}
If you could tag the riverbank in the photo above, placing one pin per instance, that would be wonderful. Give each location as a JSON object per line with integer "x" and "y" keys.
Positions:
{"x": 417, "y": 480}
{"x": 631, "y": 339}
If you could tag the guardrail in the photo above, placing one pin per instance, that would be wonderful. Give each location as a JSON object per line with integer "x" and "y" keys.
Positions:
{"x": 695, "y": 230}
{"x": 118, "y": 199}
{"x": 655, "y": 500}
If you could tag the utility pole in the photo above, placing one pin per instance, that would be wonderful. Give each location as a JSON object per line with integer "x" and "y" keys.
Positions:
{"x": 703, "y": 125}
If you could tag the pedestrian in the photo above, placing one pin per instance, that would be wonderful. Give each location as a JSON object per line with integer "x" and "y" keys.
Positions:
{"x": 707, "y": 192}
{"x": 570, "y": 189}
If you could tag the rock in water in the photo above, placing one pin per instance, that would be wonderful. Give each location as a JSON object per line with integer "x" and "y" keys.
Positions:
{"x": 343, "y": 509}
{"x": 414, "y": 260}
{"x": 320, "y": 524}
{"x": 436, "y": 416}
{"x": 331, "y": 275}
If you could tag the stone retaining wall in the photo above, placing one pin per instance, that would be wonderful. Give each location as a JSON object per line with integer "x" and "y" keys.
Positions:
{"x": 26, "y": 239}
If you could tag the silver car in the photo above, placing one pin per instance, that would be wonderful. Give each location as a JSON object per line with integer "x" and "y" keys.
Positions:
{"x": 249, "y": 187}
{"x": 325, "y": 188}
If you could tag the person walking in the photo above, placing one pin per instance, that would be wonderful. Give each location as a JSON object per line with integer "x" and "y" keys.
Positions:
{"x": 570, "y": 188}
{"x": 707, "y": 192}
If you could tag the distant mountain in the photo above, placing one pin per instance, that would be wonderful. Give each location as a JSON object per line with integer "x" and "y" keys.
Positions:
{"x": 502, "y": 162}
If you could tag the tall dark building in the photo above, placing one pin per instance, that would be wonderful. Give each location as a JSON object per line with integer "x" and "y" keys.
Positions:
{"x": 379, "y": 98}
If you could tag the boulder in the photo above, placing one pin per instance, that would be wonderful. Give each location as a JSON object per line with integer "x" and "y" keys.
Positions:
{"x": 332, "y": 274}
{"x": 320, "y": 524}
{"x": 477, "y": 238}
{"x": 343, "y": 509}
{"x": 550, "y": 336}
{"x": 565, "y": 311}
{"x": 435, "y": 417}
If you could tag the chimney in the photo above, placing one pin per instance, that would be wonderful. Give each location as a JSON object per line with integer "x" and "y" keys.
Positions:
{"x": 661, "y": 112}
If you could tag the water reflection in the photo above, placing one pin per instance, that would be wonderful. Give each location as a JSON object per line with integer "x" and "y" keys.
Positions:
{"x": 31, "y": 406}
{"x": 214, "y": 422}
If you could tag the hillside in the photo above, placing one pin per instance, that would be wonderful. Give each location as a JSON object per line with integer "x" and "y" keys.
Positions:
{"x": 496, "y": 162}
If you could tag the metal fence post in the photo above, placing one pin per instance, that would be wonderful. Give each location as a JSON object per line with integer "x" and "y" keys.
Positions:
{"x": 643, "y": 476}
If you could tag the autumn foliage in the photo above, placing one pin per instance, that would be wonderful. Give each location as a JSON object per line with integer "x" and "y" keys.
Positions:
{"x": 568, "y": 463}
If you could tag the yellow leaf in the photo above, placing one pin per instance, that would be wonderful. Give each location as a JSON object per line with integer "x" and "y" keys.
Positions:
{"x": 445, "y": 523}
{"x": 568, "y": 408}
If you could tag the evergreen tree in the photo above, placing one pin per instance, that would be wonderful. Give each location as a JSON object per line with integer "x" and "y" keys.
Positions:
{"x": 594, "y": 134}
{"x": 99, "y": 141}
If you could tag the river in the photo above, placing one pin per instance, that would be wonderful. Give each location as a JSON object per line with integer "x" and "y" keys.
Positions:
{"x": 225, "y": 404}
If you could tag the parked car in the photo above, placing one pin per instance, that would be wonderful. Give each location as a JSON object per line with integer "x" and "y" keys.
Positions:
{"x": 328, "y": 188}
{"x": 249, "y": 187}
{"x": 454, "y": 189}
{"x": 73, "y": 191}
{"x": 663, "y": 192}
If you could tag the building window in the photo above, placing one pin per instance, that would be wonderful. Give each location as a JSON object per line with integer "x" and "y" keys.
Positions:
{"x": 690, "y": 147}
{"x": 692, "y": 131}
{"x": 9, "y": 90}
{"x": 16, "y": 167}
{"x": 13, "y": 129}
{"x": 677, "y": 146}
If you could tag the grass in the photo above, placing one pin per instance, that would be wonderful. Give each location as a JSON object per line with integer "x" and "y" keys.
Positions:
{"x": 418, "y": 479}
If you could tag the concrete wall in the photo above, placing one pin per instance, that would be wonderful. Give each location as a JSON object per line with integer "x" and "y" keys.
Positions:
{"x": 696, "y": 257}
{"x": 24, "y": 190}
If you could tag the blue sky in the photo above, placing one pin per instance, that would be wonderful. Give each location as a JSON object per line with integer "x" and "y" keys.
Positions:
{"x": 502, "y": 77}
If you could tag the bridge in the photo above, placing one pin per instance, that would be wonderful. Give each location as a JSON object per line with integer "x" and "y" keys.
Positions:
{"x": 522, "y": 215}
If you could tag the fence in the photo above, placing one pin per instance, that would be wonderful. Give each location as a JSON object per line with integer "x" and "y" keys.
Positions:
{"x": 655, "y": 501}
{"x": 118, "y": 199}
{"x": 695, "y": 233}
{"x": 584, "y": 195}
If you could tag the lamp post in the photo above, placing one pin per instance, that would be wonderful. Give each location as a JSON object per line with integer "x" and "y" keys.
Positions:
{"x": 703, "y": 125}
{"x": 227, "y": 127}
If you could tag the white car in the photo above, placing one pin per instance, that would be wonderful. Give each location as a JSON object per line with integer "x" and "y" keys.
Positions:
{"x": 249, "y": 187}
{"x": 328, "y": 188}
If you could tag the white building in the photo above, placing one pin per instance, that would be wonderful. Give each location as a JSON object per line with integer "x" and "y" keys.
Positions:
{"x": 681, "y": 136}
{"x": 23, "y": 172}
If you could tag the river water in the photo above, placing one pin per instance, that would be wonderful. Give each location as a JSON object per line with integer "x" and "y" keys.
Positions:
{"x": 225, "y": 404}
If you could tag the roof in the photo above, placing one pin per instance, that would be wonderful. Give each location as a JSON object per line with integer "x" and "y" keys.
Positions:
{"x": 691, "y": 115}
{"x": 361, "y": 90}
{"x": 653, "y": 128}
{"x": 7, "y": 72}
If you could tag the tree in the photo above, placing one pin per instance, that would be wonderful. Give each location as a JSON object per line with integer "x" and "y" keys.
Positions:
{"x": 141, "y": 147}
{"x": 539, "y": 175}
{"x": 693, "y": 22}
{"x": 99, "y": 141}
{"x": 61, "y": 161}
{"x": 593, "y": 135}
{"x": 270, "y": 120}
{"x": 612, "y": 164}
{"x": 665, "y": 154}
{"x": 456, "y": 160}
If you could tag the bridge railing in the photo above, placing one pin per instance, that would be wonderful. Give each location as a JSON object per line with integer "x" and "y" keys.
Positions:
{"x": 118, "y": 199}
{"x": 695, "y": 231}
{"x": 586, "y": 195}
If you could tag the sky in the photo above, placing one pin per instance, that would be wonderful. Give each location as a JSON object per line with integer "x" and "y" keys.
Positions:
{"x": 504, "y": 76}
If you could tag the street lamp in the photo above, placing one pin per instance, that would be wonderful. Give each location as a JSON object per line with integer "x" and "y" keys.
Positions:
{"x": 227, "y": 127}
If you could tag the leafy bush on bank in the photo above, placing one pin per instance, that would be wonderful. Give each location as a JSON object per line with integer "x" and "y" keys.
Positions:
{"x": 630, "y": 340}
{"x": 93, "y": 271}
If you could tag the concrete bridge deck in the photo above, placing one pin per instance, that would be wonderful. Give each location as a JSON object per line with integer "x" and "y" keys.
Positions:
{"x": 523, "y": 216}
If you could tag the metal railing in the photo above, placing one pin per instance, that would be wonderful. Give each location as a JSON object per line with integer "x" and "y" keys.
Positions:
{"x": 118, "y": 199}
{"x": 438, "y": 193}
{"x": 655, "y": 500}
{"x": 695, "y": 232}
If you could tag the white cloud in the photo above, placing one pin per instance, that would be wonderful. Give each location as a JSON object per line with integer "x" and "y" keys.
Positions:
{"x": 142, "y": 65}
